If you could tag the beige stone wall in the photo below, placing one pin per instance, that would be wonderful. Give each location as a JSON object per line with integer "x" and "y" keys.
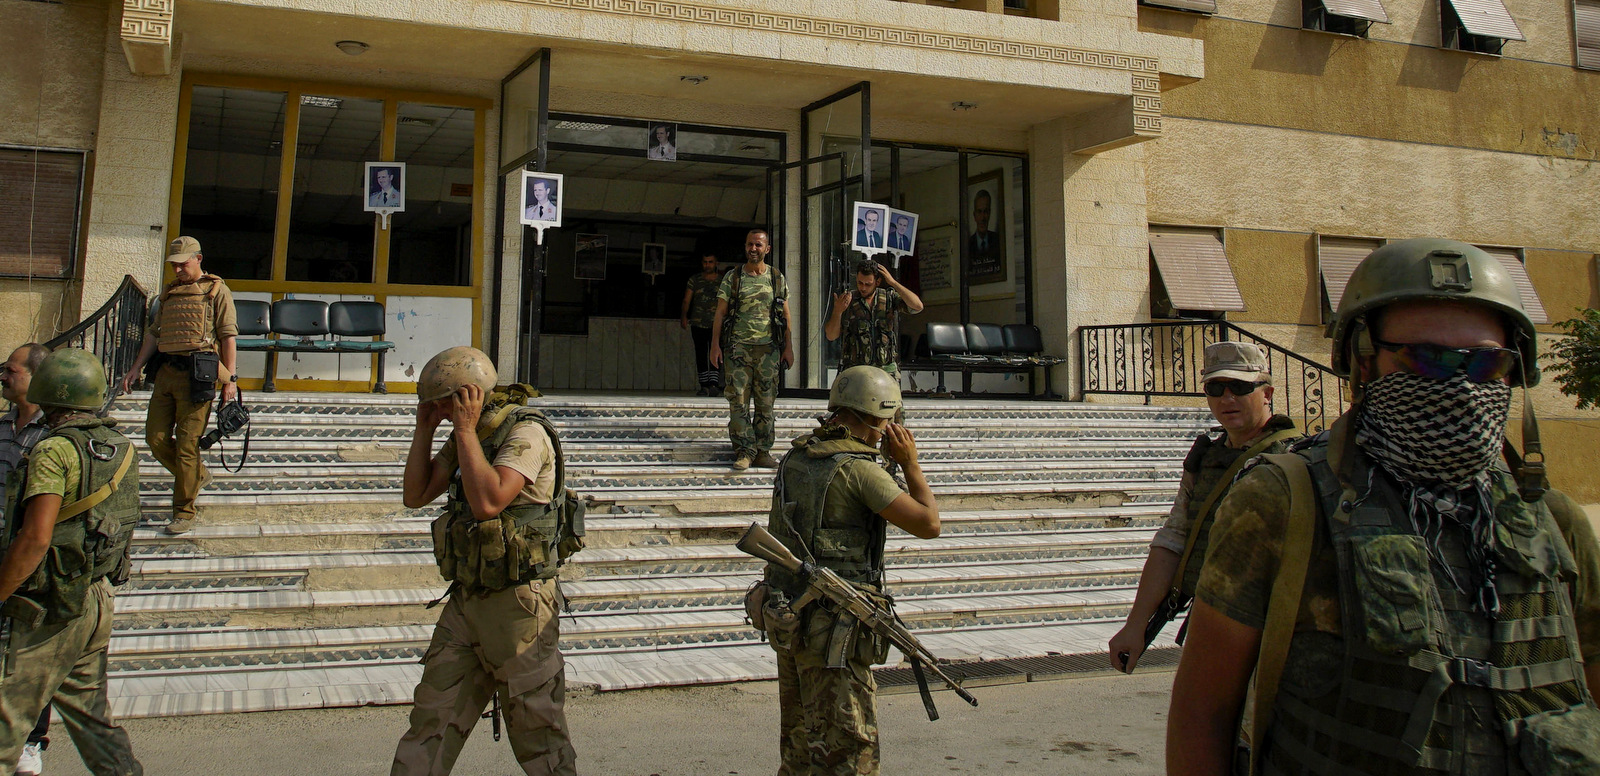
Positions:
{"x": 33, "y": 311}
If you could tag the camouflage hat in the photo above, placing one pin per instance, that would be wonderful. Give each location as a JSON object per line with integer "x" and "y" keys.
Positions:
{"x": 182, "y": 250}
{"x": 1235, "y": 361}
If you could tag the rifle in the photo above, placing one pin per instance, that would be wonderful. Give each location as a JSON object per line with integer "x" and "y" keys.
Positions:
{"x": 822, "y": 583}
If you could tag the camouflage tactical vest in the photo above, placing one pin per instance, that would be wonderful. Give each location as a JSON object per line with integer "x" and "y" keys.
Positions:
{"x": 1421, "y": 683}
{"x": 87, "y": 546}
{"x": 527, "y": 541}
{"x": 1207, "y": 461}
{"x": 871, "y": 331}
{"x": 188, "y": 319}
{"x": 853, "y": 548}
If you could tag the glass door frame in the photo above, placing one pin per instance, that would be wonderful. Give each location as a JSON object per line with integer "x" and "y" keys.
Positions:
{"x": 530, "y": 303}
{"x": 844, "y": 181}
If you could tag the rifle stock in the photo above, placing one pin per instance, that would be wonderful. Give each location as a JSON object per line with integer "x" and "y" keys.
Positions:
{"x": 756, "y": 541}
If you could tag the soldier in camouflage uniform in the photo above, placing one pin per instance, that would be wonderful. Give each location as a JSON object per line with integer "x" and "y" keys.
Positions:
{"x": 1449, "y": 606}
{"x": 867, "y": 323}
{"x": 752, "y": 298}
{"x": 499, "y": 632}
{"x": 699, "y": 316}
{"x": 78, "y": 501}
{"x": 832, "y": 505}
{"x": 1238, "y": 389}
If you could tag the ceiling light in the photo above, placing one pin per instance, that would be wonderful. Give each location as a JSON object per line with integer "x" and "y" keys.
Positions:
{"x": 695, "y": 79}
{"x": 320, "y": 102}
{"x": 583, "y": 126}
{"x": 963, "y": 105}
{"x": 354, "y": 48}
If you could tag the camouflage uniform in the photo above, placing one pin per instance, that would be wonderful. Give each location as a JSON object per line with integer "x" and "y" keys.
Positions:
{"x": 750, "y": 360}
{"x": 1349, "y": 633}
{"x": 869, "y": 331}
{"x": 702, "y": 316}
{"x": 64, "y": 663}
{"x": 827, "y": 716}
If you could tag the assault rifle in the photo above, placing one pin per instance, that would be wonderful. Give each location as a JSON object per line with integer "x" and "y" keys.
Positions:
{"x": 822, "y": 583}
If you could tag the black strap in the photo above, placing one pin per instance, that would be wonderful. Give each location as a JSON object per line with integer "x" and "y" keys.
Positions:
{"x": 446, "y": 594}
{"x": 244, "y": 454}
{"x": 493, "y": 715}
{"x": 922, "y": 687}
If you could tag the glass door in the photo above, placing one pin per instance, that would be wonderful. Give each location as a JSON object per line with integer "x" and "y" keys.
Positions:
{"x": 524, "y": 145}
{"x": 836, "y": 169}
{"x": 819, "y": 261}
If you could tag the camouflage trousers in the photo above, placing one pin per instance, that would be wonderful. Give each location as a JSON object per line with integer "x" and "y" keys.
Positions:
{"x": 65, "y": 664}
{"x": 827, "y": 717}
{"x": 504, "y": 642}
{"x": 751, "y": 376}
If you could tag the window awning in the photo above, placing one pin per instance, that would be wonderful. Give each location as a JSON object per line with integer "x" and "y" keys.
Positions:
{"x": 1519, "y": 274}
{"x": 1371, "y": 10}
{"x": 1203, "y": 6}
{"x": 1195, "y": 269}
{"x": 1338, "y": 257}
{"x": 1587, "y": 15}
{"x": 1488, "y": 18}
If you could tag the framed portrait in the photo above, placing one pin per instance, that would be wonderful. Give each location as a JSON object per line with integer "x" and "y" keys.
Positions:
{"x": 986, "y": 224}
{"x": 661, "y": 143}
{"x": 541, "y": 198}
{"x": 384, "y": 183}
{"x": 870, "y": 228}
{"x": 589, "y": 257}
{"x": 654, "y": 259}
{"x": 902, "y": 237}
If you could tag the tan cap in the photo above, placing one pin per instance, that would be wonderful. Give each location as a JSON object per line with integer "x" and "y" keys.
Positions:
{"x": 183, "y": 249}
{"x": 1235, "y": 361}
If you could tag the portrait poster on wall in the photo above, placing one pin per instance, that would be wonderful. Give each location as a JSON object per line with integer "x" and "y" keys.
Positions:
{"x": 661, "y": 144}
{"x": 654, "y": 259}
{"x": 986, "y": 241}
{"x": 589, "y": 257}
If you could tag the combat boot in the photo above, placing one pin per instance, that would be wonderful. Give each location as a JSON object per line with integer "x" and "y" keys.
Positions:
{"x": 741, "y": 463}
{"x": 765, "y": 460}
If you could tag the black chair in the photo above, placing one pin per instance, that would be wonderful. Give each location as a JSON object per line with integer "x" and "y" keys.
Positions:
{"x": 987, "y": 340}
{"x": 361, "y": 319}
{"x": 1023, "y": 340}
{"x": 948, "y": 342}
{"x": 255, "y": 324}
{"x": 302, "y": 318}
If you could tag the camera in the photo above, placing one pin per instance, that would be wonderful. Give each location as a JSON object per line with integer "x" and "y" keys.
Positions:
{"x": 232, "y": 417}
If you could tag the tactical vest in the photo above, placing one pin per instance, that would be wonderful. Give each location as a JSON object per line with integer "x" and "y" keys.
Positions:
{"x": 188, "y": 316}
{"x": 853, "y": 548}
{"x": 1421, "y": 683}
{"x": 526, "y": 541}
{"x": 93, "y": 530}
{"x": 776, "y": 320}
{"x": 864, "y": 342}
{"x": 1207, "y": 462}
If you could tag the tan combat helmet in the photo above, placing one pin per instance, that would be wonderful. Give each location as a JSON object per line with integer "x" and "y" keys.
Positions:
{"x": 867, "y": 390}
{"x": 1431, "y": 269}
{"x": 453, "y": 368}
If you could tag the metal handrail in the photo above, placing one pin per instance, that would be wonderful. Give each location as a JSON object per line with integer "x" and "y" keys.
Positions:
{"x": 114, "y": 332}
{"x": 1165, "y": 359}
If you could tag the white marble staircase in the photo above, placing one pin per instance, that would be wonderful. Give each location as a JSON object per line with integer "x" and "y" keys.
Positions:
{"x": 305, "y": 582}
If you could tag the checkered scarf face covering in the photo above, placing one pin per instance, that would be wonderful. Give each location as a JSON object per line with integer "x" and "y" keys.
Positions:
{"x": 1425, "y": 430}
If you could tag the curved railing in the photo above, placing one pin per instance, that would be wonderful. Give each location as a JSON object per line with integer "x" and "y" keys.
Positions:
{"x": 114, "y": 332}
{"x": 1164, "y": 359}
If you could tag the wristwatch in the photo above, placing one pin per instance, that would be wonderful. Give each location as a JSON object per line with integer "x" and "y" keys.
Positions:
{"x": 233, "y": 378}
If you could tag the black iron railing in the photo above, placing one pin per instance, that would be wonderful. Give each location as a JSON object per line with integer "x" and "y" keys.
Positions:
{"x": 114, "y": 332}
{"x": 1164, "y": 359}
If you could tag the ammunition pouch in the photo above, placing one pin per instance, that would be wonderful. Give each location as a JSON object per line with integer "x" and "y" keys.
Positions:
{"x": 755, "y": 601}
{"x": 1567, "y": 742}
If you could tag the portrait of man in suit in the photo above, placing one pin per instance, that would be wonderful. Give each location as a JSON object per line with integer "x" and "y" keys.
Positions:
{"x": 900, "y": 232}
{"x": 384, "y": 188}
{"x": 986, "y": 246}
{"x": 869, "y": 227}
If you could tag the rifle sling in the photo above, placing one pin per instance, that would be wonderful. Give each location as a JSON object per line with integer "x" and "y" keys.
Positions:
{"x": 69, "y": 511}
{"x": 1198, "y": 522}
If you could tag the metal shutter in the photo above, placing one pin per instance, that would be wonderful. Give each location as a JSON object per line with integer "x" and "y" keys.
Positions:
{"x": 39, "y": 193}
{"x": 1530, "y": 298}
{"x": 1488, "y": 18}
{"x": 1371, "y": 10}
{"x": 1586, "y": 14}
{"x": 1195, "y": 269}
{"x": 1337, "y": 257}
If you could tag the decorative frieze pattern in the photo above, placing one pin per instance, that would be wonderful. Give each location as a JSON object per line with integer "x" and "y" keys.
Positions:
{"x": 147, "y": 21}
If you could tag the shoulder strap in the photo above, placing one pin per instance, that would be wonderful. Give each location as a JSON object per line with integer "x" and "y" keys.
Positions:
{"x": 1198, "y": 521}
{"x": 69, "y": 511}
{"x": 1283, "y": 608}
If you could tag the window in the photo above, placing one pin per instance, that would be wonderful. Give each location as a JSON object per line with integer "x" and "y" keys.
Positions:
{"x": 1481, "y": 26}
{"x": 330, "y": 235}
{"x": 230, "y": 178}
{"x": 1586, "y": 20}
{"x": 1190, "y": 275}
{"x": 1343, "y": 17}
{"x": 39, "y": 195}
{"x": 1337, "y": 258}
{"x": 1514, "y": 261}
{"x": 1198, "y": 6}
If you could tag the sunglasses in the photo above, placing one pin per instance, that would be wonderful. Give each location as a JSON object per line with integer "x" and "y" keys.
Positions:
{"x": 1214, "y": 388}
{"x": 1438, "y": 362}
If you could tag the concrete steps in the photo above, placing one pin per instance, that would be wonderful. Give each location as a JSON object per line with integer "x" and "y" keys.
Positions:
{"x": 305, "y": 583}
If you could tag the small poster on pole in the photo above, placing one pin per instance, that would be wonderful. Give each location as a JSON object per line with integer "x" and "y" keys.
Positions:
{"x": 384, "y": 184}
{"x": 654, "y": 260}
{"x": 541, "y": 201}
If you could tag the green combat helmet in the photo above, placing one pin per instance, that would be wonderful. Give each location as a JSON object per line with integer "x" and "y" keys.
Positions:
{"x": 70, "y": 377}
{"x": 1431, "y": 269}
{"x": 866, "y": 389}
{"x": 453, "y": 368}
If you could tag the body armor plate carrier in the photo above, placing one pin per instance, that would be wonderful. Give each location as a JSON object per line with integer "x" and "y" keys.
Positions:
{"x": 187, "y": 316}
{"x": 853, "y": 550}
{"x": 93, "y": 529}
{"x": 526, "y": 541}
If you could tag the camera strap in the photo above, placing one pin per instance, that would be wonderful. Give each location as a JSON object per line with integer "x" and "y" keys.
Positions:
{"x": 244, "y": 454}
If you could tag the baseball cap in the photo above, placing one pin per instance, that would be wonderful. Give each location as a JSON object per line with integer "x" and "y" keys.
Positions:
{"x": 183, "y": 249}
{"x": 1235, "y": 361}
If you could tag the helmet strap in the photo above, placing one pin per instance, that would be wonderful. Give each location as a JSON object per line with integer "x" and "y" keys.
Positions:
{"x": 1528, "y": 467}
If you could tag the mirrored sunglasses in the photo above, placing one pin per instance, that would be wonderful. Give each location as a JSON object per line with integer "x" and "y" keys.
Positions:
{"x": 1438, "y": 362}
{"x": 1214, "y": 388}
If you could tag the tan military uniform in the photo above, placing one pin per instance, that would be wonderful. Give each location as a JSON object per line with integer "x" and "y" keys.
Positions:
{"x": 191, "y": 319}
{"x": 506, "y": 642}
{"x": 63, "y": 663}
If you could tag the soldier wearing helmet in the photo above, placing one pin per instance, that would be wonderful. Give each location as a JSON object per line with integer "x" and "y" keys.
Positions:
{"x": 1407, "y": 602}
{"x": 832, "y": 505}
{"x": 505, "y": 528}
{"x": 77, "y": 495}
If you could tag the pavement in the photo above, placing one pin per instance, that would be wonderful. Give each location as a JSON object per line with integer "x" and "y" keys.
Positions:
{"x": 1104, "y": 724}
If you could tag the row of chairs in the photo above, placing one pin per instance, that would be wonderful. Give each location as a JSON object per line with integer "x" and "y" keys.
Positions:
{"x": 305, "y": 326}
{"x": 986, "y": 347}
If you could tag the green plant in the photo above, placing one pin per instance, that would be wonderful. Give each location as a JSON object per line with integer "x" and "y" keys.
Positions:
{"x": 1575, "y": 360}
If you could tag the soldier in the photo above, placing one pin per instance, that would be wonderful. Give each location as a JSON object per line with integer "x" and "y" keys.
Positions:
{"x": 1238, "y": 388}
{"x": 699, "y": 316}
{"x": 827, "y": 715}
{"x": 20, "y": 429}
{"x": 1433, "y": 613}
{"x": 869, "y": 321}
{"x": 753, "y": 303}
{"x": 193, "y": 327}
{"x": 498, "y": 541}
{"x": 78, "y": 495}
